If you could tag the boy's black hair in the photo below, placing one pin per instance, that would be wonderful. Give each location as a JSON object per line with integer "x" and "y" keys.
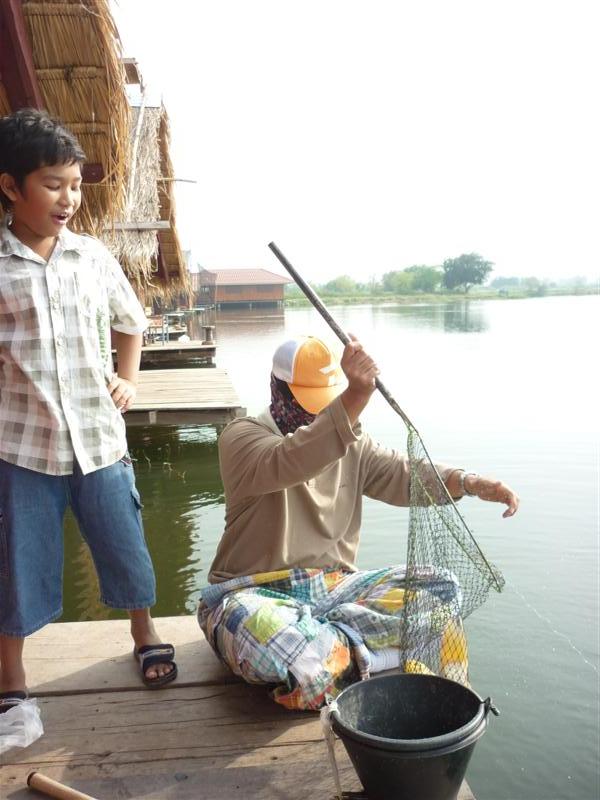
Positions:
{"x": 29, "y": 140}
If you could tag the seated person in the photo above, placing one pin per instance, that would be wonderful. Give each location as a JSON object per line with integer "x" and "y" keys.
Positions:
{"x": 286, "y": 605}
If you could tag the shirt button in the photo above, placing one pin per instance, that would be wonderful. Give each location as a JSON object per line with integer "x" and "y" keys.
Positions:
{"x": 55, "y": 302}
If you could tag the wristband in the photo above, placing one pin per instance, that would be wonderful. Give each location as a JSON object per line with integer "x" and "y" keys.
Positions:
{"x": 461, "y": 482}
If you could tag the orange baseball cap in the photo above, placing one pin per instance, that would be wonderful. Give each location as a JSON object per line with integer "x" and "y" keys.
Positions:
{"x": 311, "y": 370}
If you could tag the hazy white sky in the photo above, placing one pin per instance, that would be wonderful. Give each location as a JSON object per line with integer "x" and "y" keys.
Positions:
{"x": 368, "y": 136}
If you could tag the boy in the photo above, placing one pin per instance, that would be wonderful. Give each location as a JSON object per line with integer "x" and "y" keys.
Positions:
{"x": 62, "y": 434}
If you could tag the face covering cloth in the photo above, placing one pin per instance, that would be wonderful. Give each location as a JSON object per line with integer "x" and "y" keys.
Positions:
{"x": 285, "y": 409}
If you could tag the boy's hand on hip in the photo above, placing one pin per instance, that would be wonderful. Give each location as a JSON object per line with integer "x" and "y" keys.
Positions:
{"x": 123, "y": 393}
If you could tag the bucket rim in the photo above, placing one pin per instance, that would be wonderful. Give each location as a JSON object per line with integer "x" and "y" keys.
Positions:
{"x": 458, "y": 736}
{"x": 420, "y": 752}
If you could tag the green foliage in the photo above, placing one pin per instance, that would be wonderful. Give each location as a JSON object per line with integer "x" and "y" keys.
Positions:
{"x": 293, "y": 291}
{"x": 534, "y": 287}
{"x": 505, "y": 283}
{"x": 425, "y": 279}
{"x": 418, "y": 278}
{"x": 341, "y": 285}
{"x": 398, "y": 282}
{"x": 465, "y": 271}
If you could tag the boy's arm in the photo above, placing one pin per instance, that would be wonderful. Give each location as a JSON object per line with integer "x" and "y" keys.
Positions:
{"x": 123, "y": 386}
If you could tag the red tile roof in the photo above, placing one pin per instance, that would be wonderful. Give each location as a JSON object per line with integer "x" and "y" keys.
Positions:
{"x": 230, "y": 277}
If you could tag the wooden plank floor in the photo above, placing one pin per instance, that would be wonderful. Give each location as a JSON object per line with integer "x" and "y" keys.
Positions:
{"x": 207, "y": 736}
{"x": 184, "y": 396}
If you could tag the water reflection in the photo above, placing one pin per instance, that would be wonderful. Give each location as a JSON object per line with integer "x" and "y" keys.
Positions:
{"x": 252, "y": 318}
{"x": 178, "y": 477}
{"x": 465, "y": 317}
{"x": 462, "y": 317}
{"x": 256, "y": 314}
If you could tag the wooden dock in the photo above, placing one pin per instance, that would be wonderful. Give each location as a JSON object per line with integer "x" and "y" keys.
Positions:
{"x": 207, "y": 736}
{"x": 176, "y": 354}
{"x": 184, "y": 397}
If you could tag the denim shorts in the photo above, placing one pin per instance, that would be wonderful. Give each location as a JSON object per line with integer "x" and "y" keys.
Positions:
{"x": 107, "y": 506}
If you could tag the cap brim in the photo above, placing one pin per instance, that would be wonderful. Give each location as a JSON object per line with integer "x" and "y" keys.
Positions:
{"x": 315, "y": 399}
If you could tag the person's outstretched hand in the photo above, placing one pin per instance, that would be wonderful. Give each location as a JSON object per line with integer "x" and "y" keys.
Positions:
{"x": 361, "y": 371}
{"x": 493, "y": 491}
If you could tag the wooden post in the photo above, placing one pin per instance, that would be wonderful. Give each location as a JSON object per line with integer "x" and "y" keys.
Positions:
{"x": 16, "y": 59}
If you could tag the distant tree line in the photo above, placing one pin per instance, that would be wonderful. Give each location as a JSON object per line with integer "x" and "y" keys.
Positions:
{"x": 538, "y": 287}
{"x": 455, "y": 274}
{"x": 458, "y": 274}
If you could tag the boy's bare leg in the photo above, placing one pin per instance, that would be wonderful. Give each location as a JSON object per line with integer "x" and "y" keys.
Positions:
{"x": 12, "y": 671}
{"x": 143, "y": 632}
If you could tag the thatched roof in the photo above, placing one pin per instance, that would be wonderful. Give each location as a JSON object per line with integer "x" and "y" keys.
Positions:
{"x": 153, "y": 256}
{"x": 78, "y": 75}
{"x": 77, "y": 60}
{"x": 173, "y": 262}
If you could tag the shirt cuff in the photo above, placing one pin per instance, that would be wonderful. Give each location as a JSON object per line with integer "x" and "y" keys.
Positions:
{"x": 132, "y": 330}
{"x": 347, "y": 433}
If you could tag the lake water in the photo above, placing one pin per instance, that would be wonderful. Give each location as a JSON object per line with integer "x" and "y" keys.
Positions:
{"x": 505, "y": 388}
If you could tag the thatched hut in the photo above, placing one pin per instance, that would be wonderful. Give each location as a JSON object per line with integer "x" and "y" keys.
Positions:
{"x": 146, "y": 242}
{"x": 65, "y": 56}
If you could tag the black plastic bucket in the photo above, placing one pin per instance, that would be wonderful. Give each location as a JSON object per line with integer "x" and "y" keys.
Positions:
{"x": 410, "y": 737}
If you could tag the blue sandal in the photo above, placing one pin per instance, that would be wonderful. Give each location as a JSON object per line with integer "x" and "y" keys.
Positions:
{"x": 152, "y": 654}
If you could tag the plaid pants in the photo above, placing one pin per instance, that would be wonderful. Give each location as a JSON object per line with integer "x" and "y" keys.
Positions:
{"x": 309, "y": 633}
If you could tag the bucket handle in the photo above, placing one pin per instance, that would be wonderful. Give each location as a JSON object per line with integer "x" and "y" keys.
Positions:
{"x": 329, "y": 737}
{"x": 488, "y": 705}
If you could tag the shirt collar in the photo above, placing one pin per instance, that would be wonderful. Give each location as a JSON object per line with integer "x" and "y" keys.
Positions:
{"x": 10, "y": 245}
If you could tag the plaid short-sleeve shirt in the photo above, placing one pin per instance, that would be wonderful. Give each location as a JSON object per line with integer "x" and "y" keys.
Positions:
{"x": 55, "y": 353}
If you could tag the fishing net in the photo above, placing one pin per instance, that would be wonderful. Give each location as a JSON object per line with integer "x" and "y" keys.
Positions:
{"x": 447, "y": 575}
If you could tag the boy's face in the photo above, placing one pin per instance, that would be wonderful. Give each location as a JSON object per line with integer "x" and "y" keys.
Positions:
{"x": 48, "y": 199}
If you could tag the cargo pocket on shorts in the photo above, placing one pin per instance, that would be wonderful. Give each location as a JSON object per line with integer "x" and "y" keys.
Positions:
{"x": 3, "y": 548}
{"x": 137, "y": 499}
{"x": 137, "y": 509}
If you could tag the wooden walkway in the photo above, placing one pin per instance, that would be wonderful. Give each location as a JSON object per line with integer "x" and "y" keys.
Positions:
{"x": 176, "y": 354}
{"x": 207, "y": 736}
{"x": 184, "y": 397}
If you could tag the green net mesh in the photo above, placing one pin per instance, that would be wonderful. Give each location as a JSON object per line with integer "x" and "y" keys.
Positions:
{"x": 447, "y": 575}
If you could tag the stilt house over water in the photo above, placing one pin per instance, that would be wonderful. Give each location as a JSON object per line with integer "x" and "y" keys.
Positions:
{"x": 238, "y": 287}
{"x": 65, "y": 56}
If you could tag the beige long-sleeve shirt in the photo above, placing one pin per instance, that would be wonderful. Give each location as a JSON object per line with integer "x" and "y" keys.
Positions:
{"x": 296, "y": 500}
